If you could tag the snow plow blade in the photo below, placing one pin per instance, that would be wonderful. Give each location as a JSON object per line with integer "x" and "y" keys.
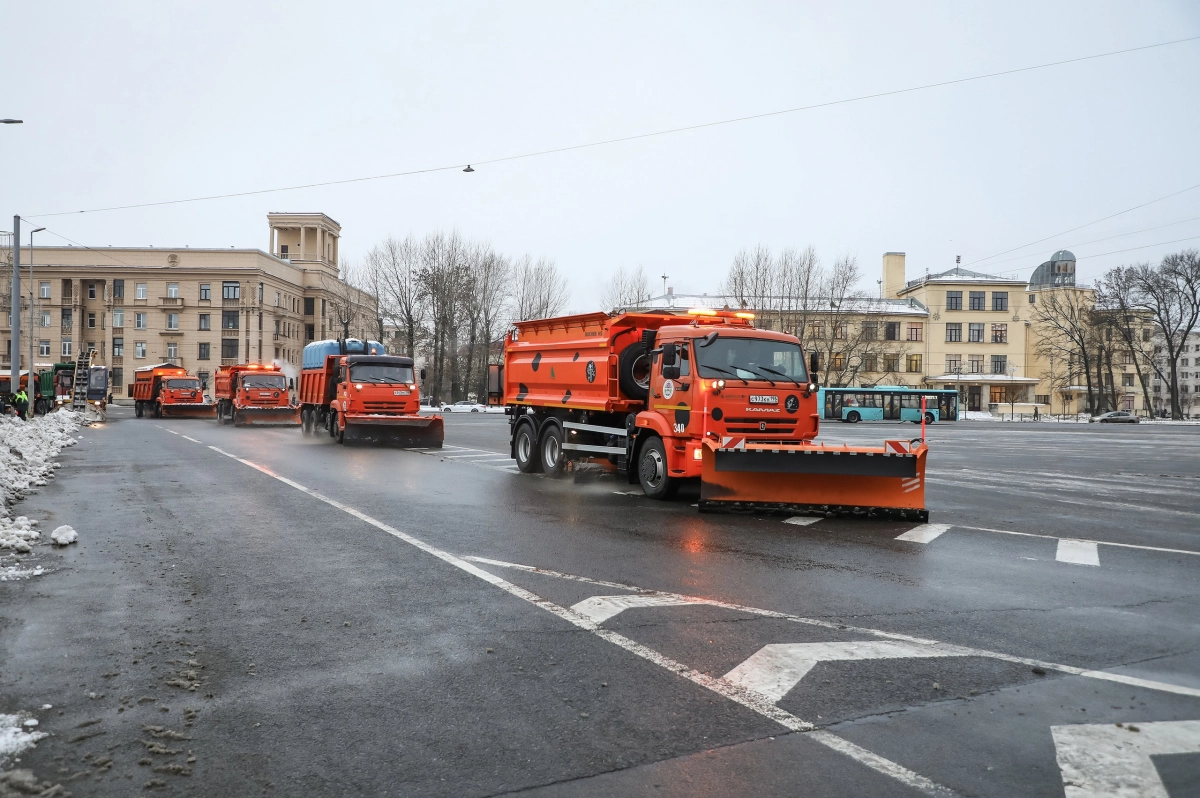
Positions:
{"x": 408, "y": 431}
{"x": 860, "y": 480}
{"x": 189, "y": 411}
{"x": 267, "y": 417}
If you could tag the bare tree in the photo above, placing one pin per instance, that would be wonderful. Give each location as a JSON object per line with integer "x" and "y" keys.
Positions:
{"x": 348, "y": 304}
{"x": 1170, "y": 293}
{"x": 1117, "y": 295}
{"x": 539, "y": 290}
{"x": 443, "y": 277}
{"x": 1067, "y": 324}
{"x": 491, "y": 285}
{"x": 397, "y": 264}
{"x": 626, "y": 289}
{"x": 798, "y": 276}
{"x": 752, "y": 278}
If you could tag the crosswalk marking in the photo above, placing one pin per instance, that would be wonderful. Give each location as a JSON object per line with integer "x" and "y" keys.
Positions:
{"x": 601, "y": 608}
{"x": 775, "y": 669}
{"x": 1079, "y": 552}
{"x": 1104, "y": 759}
{"x": 924, "y": 533}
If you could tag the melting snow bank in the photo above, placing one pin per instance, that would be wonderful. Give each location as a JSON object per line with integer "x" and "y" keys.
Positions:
{"x": 17, "y": 732}
{"x": 27, "y": 452}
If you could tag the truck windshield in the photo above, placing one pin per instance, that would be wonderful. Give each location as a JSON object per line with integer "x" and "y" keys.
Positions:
{"x": 192, "y": 384}
{"x": 751, "y": 359}
{"x": 98, "y": 380}
{"x": 276, "y": 381}
{"x": 380, "y": 372}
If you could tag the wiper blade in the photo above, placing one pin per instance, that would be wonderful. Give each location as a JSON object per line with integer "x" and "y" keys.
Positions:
{"x": 781, "y": 374}
{"x": 727, "y": 371}
{"x": 759, "y": 373}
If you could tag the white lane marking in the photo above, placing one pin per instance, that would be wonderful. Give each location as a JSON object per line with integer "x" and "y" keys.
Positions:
{"x": 738, "y": 695}
{"x": 925, "y": 533}
{"x": 1109, "y": 760}
{"x": 601, "y": 608}
{"x": 480, "y": 454}
{"x": 1056, "y": 537}
{"x": 775, "y": 669}
{"x": 802, "y": 520}
{"x": 962, "y": 651}
{"x": 544, "y": 572}
{"x": 1079, "y": 552}
{"x": 173, "y": 432}
{"x": 193, "y": 440}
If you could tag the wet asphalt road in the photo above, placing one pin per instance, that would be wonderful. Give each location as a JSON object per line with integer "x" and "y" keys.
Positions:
{"x": 340, "y": 641}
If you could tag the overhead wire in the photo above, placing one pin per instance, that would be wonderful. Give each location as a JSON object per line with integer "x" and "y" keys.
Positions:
{"x": 634, "y": 137}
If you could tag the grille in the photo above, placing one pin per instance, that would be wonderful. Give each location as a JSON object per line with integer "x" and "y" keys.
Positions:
{"x": 378, "y": 407}
{"x": 750, "y": 426}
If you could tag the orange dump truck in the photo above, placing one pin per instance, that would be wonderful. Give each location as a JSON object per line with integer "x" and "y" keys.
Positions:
{"x": 703, "y": 396}
{"x": 363, "y": 397}
{"x": 254, "y": 394}
{"x": 168, "y": 391}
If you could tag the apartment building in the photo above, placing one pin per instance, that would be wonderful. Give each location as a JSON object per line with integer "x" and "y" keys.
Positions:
{"x": 198, "y": 308}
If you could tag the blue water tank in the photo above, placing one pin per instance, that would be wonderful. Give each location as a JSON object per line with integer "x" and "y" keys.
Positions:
{"x": 316, "y": 352}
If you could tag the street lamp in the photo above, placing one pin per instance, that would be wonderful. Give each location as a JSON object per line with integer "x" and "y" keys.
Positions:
{"x": 30, "y": 390}
{"x": 957, "y": 388}
{"x": 12, "y": 121}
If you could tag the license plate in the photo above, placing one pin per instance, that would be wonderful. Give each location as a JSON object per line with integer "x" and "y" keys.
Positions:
{"x": 400, "y": 393}
{"x": 762, "y": 399}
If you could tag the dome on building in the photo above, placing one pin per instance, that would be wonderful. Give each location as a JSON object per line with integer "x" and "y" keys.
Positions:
{"x": 1059, "y": 270}
{"x": 1063, "y": 254}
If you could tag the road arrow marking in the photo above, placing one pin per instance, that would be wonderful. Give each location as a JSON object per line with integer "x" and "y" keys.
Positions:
{"x": 777, "y": 668}
{"x": 1102, "y": 760}
{"x": 925, "y": 533}
{"x": 601, "y": 608}
{"x": 1079, "y": 552}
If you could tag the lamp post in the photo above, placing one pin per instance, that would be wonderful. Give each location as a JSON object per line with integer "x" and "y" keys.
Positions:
{"x": 30, "y": 390}
{"x": 14, "y": 351}
{"x": 957, "y": 389}
{"x": 12, "y": 121}
{"x": 1012, "y": 396}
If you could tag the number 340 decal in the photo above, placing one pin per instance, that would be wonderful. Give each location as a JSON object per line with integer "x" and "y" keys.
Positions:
{"x": 680, "y": 427}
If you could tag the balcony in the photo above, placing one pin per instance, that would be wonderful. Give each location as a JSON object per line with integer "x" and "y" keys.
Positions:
{"x": 231, "y": 302}
{"x": 228, "y": 333}
{"x": 175, "y": 331}
{"x": 170, "y": 301}
{"x": 230, "y": 361}
{"x": 117, "y": 360}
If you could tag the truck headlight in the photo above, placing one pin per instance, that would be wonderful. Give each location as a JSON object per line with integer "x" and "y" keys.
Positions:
{"x": 358, "y": 386}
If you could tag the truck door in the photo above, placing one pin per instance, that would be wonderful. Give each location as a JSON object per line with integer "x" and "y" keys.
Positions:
{"x": 672, "y": 393}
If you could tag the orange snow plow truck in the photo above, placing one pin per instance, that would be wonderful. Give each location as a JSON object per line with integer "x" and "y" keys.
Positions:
{"x": 252, "y": 394}
{"x": 666, "y": 398}
{"x": 168, "y": 391}
{"x": 369, "y": 397}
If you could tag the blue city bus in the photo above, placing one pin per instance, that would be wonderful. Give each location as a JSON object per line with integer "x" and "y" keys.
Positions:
{"x": 887, "y": 403}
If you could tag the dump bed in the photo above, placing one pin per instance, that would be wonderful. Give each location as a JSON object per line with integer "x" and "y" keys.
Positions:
{"x": 144, "y": 379}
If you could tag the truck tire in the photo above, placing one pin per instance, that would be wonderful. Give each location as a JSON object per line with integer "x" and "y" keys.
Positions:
{"x": 652, "y": 470}
{"x": 305, "y": 422}
{"x": 554, "y": 459}
{"x": 137, "y": 409}
{"x": 633, "y": 371}
{"x": 156, "y": 411}
{"x": 339, "y": 432}
{"x": 331, "y": 423}
{"x": 525, "y": 449}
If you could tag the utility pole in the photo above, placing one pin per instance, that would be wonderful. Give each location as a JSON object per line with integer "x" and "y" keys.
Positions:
{"x": 664, "y": 279}
{"x": 29, "y": 389}
{"x": 15, "y": 321}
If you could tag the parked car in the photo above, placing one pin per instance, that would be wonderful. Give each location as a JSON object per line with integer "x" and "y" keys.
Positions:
{"x": 1115, "y": 417}
{"x": 464, "y": 406}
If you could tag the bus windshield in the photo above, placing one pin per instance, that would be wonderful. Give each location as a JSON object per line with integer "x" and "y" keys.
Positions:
{"x": 380, "y": 372}
{"x": 276, "y": 381}
{"x": 190, "y": 383}
{"x": 752, "y": 359}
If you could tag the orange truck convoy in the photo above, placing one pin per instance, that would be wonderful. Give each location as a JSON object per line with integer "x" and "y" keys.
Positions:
{"x": 254, "y": 394}
{"x": 350, "y": 388}
{"x": 666, "y": 398}
{"x": 168, "y": 391}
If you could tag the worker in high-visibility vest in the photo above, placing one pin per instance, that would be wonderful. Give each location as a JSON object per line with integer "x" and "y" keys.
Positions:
{"x": 21, "y": 403}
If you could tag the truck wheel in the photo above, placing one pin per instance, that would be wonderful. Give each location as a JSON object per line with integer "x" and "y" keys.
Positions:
{"x": 331, "y": 423}
{"x": 304, "y": 430}
{"x": 340, "y": 433}
{"x": 553, "y": 456}
{"x": 157, "y": 410}
{"x": 221, "y": 411}
{"x": 652, "y": 470}
{"x": 633, "y": 369}
{"x": 853, "y": 417}
{"x": 137, "y": 409}
{"x": 526, "y": 449}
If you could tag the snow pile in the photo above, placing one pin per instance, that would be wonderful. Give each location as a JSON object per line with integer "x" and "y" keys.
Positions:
{"x": 13, "y": 573}
{"x": 16, "y": 734}
{"x": 976, "y": 415}
{"x": 27, "y": 452}
{"x": 64, "y": 536}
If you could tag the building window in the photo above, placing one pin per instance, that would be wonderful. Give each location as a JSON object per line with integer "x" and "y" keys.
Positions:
{"x": 91, "y": 290}
{"x": 977, "y": 299}
{"x": 1041, "y": 398}
{"x": 914, "y": 364}
{"x": 309, "y": 305}
{"x": 118, "y": 379}
{"x": 67, "y": 319}
{"x": 816, "y": 330}
{"x": 260, "y": 322}
{"x": 1033, "y": 301}
{"x": 891, "y": 362}
{"x": 66, "y": 347}
{"x": 999, "y": 333}
{"x": 118, "y": 289}
{"x": 172, "y": 290}
{"x": 205, "y": 321}
{"x": 205, "y": 291}
{"x": 141, "y": 292}
{"x": 260, "y": 293}
{"x": 139, "y": 321}
{"x": 276, "y": 299}
{"x": 173, "y": 350}
{"x": 892, "y": 331}
{"x": 839, "y": 332}
{"x": 229, "y": 348}
{"x": 118, "y": 317}
{"x": 45, "y": 318}
{"x": 998, "y": 395}
{"x": 231, "y": 290}
{"x": 953, "y": 364}
{"x": 322, "y": 308}
{"x": 118, "y": 347}
{"x": 91, "y": 321}
{"x": 954, "y": 331}
{"x": 999, "y": 364}
{"x": 172, "y": 321}
{"x": 954, "y": 300}
{"x": 43, "y": 349}
{"x": 999, "y": 300}
{"x": 1146, "y": 333}
{"x": 1127, "y": 380}
{"x": 203, "y": 377}
{"x": 975, "y": 333}
{"x": 974, "y": 364}
{"x": 870, "y": 331}
{"x": 204, "y": 350}
{"x": 139, "y": 349}
{"x": 44, "y": 290}
{"x": 310, "y": 332}
{"x": 914, "y": 332}
{"x": 870, "y": 363}
{"x": 229, "y": 319}
{"x": 838, "y": 361}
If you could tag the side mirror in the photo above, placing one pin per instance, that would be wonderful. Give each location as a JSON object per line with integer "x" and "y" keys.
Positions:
{"x": 291, "y": 383}
{"x": 422, "y": 375}
{"x": 814, "y": 365}
{"x": 670, "y": 372}
{"x": 670, "y": 353}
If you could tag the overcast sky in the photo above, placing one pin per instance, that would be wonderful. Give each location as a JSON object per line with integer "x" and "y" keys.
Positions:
{"x": 138, "y": 102}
